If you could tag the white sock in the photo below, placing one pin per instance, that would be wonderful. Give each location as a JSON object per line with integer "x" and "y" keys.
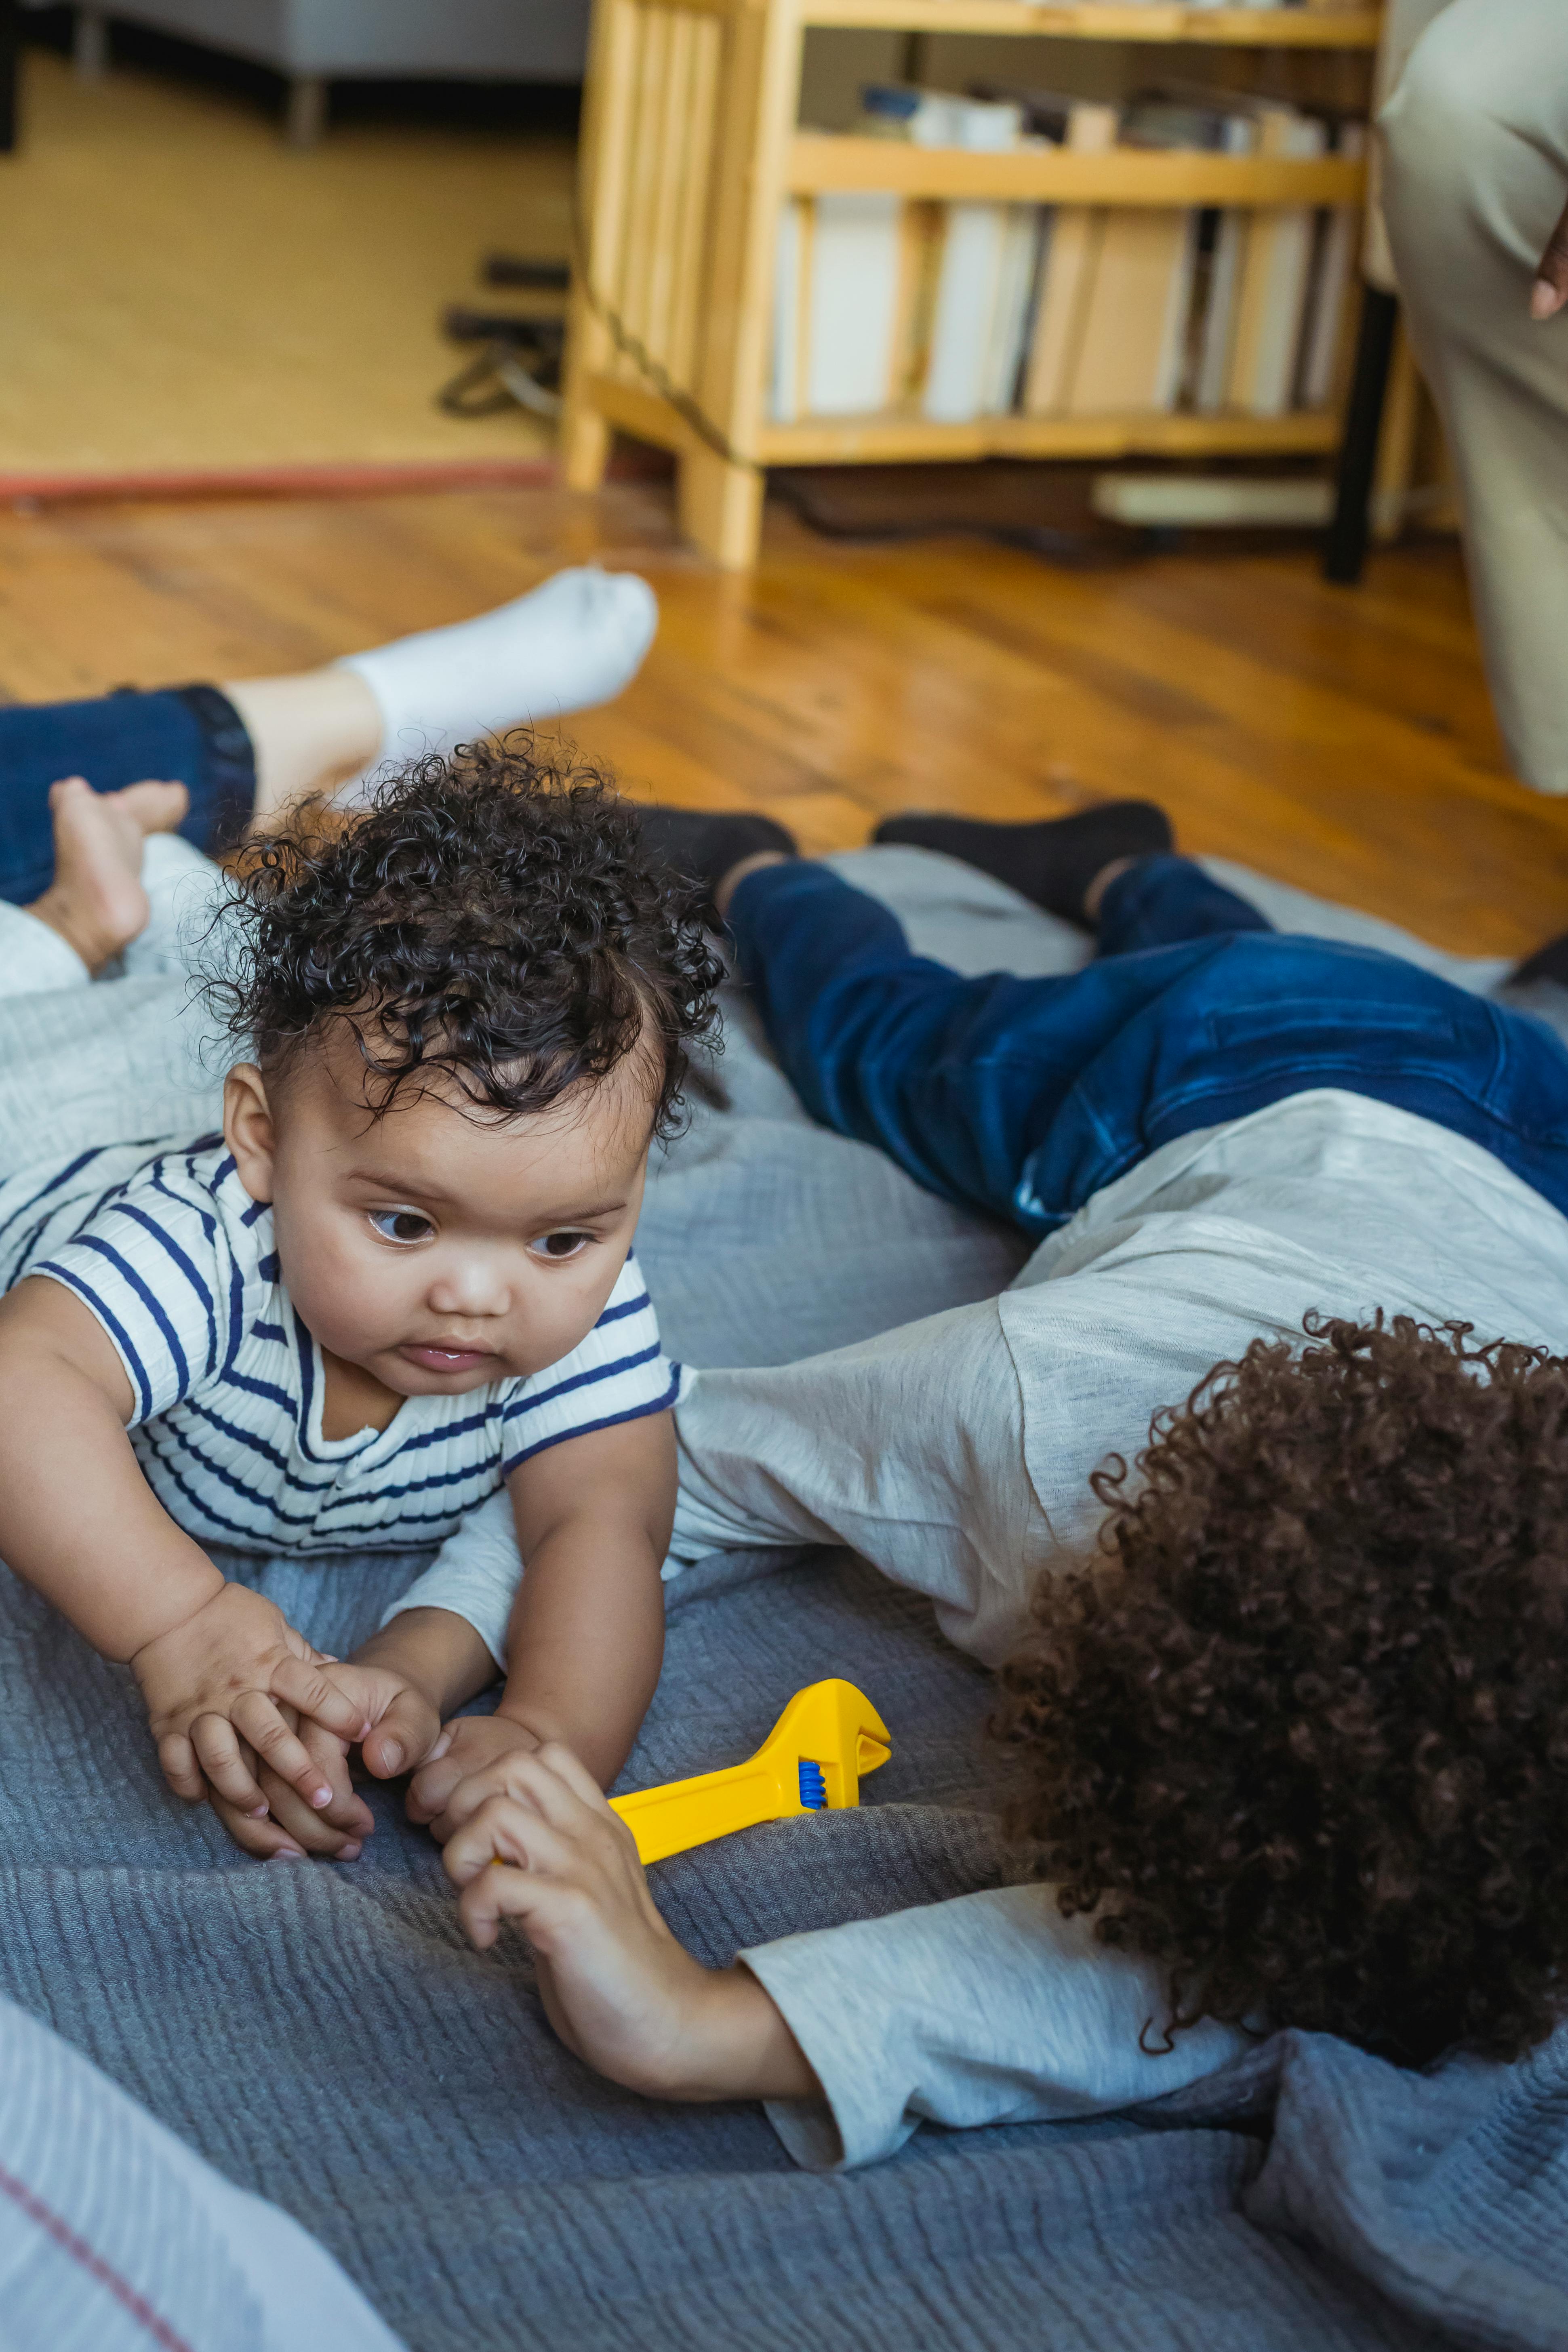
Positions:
{"x": 575, "y": 641}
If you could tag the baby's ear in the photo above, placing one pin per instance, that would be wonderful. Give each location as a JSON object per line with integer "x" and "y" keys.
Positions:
{"x": 248, "y": 1129}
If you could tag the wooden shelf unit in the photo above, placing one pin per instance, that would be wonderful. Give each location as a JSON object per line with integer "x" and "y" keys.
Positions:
{"x": 690, "y": 146}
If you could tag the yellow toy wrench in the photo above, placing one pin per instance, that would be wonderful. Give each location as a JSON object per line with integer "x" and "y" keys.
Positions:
{"x": 828, "y": 1739}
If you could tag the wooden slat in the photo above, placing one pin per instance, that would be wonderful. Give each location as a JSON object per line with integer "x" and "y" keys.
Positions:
{"x": 907, "y": 440}
{"x": 630, "y": 296}
{"x": 819, "y": 160}
{"x": 1296, "y": 29}
{"x": 692, "y": 224}
{"x": 675, "y": 160}
{"x": 607, "y": 115}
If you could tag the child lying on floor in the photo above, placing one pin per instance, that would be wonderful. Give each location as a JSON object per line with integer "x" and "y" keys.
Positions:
{"x": 1297, "y": 1740}
{"x": 399, "y": 1277}
{"x": 1299, "y": 1732}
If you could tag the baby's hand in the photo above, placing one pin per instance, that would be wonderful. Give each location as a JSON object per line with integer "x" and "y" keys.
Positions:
{"x": 218, "y": 1689}
{"x": 400, "y": 1727}
{"x": 538, "y": 1844}
{"x": 469, "y": 1746}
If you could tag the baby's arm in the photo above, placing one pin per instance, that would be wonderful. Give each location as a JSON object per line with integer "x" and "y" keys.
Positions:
{"x": 586, "y": 1635}
{"x": 80, "y": 1524}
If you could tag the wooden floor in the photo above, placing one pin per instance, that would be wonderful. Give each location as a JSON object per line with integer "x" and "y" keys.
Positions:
{"x": 180, "y": 293}
{"x": 1342, "y": 739}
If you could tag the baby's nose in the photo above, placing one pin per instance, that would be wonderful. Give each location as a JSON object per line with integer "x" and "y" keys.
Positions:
{"x": 472, "y": 1287}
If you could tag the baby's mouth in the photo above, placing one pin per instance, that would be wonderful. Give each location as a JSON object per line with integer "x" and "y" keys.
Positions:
{"x": 431, "y": 1356}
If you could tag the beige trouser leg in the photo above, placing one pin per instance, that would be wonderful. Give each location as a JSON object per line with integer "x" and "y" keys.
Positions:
{"x": 1476, "y": 143}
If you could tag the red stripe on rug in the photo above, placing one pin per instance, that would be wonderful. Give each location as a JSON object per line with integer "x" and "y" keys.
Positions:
{"x": 284, "y": 481}
{"x": 66, "y": 2238}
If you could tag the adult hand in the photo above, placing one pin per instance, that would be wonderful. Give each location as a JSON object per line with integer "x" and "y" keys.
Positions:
{"x": 1550, "y": 290}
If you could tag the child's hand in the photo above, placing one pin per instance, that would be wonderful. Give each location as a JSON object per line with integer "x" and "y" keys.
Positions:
{"x": 217, "y": 1687}
{"x": 289, "y": 1826}
{"x": 399, "y": 1722}
{"x": 470, "y": 1745}
{"x": 538, "y": 1844}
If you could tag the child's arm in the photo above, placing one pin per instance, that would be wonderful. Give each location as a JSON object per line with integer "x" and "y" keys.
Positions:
{"x": 80, "y": 1524}
{"x": 586, "y": 1635}
{"x": 541, "y": 1846}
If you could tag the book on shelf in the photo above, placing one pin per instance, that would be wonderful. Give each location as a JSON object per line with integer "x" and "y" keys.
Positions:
{"x": 964, "y": 309}
{"x": 984, "y": 266}
{"x": 1272, "y": 292}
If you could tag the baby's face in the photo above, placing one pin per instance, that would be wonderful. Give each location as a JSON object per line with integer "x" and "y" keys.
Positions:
{"x": 438, "y": 1248}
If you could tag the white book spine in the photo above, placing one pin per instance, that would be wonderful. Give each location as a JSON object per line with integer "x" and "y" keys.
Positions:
{"x": 1336, "y": 262}
{"x": 852, "y": 303}
{"x": 964, "y": 310}
{"x": 1178, "y": 311}
{"x": 1010, "y": 320}
{"x": 784, "y": 386}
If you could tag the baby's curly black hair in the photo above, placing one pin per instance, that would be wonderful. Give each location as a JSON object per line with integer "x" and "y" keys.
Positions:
{"x": 1300, "y": 1732}
{"x": 489, "y": 923}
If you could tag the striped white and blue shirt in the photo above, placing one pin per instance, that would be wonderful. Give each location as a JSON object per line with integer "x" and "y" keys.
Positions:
{"x": 167, "y": 1249}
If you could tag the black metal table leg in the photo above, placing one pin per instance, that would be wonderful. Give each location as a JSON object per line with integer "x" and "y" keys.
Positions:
{"x": 10, "y": 42}
{"x": 1344, "y": 550}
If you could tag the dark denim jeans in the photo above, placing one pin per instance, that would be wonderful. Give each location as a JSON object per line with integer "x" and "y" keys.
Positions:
{"x": 1022, "y": 1097}
{"x": 184, "y": 734}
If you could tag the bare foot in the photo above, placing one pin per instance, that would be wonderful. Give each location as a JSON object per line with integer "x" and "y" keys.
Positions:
{"x": 96, "y": 901}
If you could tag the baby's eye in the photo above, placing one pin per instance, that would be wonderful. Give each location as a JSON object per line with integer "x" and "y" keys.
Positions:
{"x": 401, "y": 1224}
{"x": 559, "y": 1245}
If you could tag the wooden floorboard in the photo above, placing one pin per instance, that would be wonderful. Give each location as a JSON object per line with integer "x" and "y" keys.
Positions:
{"x": 1343, "y": 739}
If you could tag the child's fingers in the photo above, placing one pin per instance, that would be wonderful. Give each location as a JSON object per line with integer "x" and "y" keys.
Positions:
{"x": 225, "y": 1765}
{"x": 403, "y": 1737}
{"x": 257, "y": 1718}
{"x": 178, "y": 1760}
{"x": 499, "y": 1892}
{"x": 301, "y": 1682}
{"x": 550, "y": 1780}
{"x": 569, "y": 1767}
{"x": 265, "y": 1841}
{"x": 336, "y": 1834}
{"x": 433, "y": 1787}
{"x": 503, "y": 1830}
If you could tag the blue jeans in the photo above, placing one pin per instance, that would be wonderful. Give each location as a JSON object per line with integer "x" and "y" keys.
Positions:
{"x": 1022, "y": 1097}
{"x": 184, "y": 734}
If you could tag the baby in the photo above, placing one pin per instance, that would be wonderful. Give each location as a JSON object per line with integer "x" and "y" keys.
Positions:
{"x": 401, "y": 1276}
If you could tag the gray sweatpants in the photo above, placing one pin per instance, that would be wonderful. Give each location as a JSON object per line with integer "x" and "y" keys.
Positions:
{"x": 1476, "y": 152}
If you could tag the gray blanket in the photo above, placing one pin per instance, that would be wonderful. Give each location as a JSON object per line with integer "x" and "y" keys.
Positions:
{"x": 324, "y": 2036}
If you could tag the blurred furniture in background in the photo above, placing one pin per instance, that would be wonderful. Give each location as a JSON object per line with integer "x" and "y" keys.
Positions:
{"x": 316, "y": 42}
{"x": 9, "y": 21}
{"x": 1380, "y": 418}
{"x": 691, "y": 145}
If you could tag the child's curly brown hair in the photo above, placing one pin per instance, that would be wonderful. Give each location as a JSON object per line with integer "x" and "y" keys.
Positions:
{"x": 1301, "y": 1733}
{"x": 491, "y": 920}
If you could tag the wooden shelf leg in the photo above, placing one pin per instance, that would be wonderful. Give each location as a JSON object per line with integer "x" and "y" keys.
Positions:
{"x": 585, "y": 445}
{"x": 720, "y": 508}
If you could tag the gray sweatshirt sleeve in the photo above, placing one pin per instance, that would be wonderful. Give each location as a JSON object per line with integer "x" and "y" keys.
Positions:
{"x": 990, "y": 2008}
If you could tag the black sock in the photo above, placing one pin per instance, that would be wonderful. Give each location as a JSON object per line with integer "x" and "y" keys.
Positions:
{"x": 1052, "y": 862}
{"x": 1550, "y": 963}
{"x": 705, "y": 847}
